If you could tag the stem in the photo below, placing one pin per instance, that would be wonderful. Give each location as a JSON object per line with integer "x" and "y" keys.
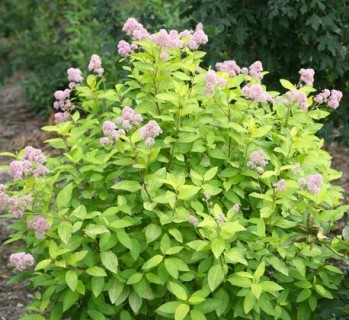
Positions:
{"x": 156, "y": 88}
{"x": 177, "y": 130}
{"x": 287, "y": 115}
{"x": 244, "y": 160}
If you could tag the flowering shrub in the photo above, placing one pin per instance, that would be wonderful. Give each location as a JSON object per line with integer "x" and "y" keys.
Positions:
{"x": 180, "y": 194}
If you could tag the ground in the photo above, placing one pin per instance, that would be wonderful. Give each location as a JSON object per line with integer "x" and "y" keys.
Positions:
{"x": 19, "y": 128}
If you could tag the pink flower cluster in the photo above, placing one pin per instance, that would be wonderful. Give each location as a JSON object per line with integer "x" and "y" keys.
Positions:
{"x": 220, "y": 218}
{"x": 75, "y": 77}
{"x": 255, "y": 70}
{"x": 257, "y": 161}
{"x": 280, "y": 185}
{"x": 63, "y": 99}
{"x": 32, "y": 163}
{"x": 331, "y": 98}
{"x": 63, "y": 102}
{"x": 149, "y": 132}
{"x": 62, "y": 117}
{"x": 95, "y": 65}
{"x": 313, "y": 183}
{"x": 228, "y": 66}
{"x": 128, "y": 117}
{"x": 236, "y": 207}
{"x": 170, "y": 40}
{"x": 307, "y": 76}
{"x": 3, "y": 197}
{"x": 111, "y": 133}
{"x": 298, "y": 97}
{"x": 193, "y": 220}
{"x": 164, "y": 39}
{"x": 40, "y": 225}
{"x": 22, "y": 260}
{"x": 256, "y": 93}
{"x": 197, "y": 38}
{"x": 135, "y": 29}
{"x": 212, "y": 81}
{"x": 125, "y": 49}
{"x": 17, "y": 206}
{"x": 297, "y": 168}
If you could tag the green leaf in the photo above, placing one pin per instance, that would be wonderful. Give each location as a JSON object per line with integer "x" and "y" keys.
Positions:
{"x": 120, "y": 224}
{"x": 256, "y": 290}
{"x": 124, "y": 315}
{"x": 124, "y": 239}
{"x": 175, "y": 233}
{"x": 287, "y": 84}
{"x": 259, "y": 271}
{"x": 171, "y": 267}
{"x": 110, "y": 261}
{"x": 80, "y": 212}
{"x": 323, "y": 292}
{"x": 270, "y": 286}
{"x": 95, "y": 315}
{"x": 97, "y": 285}
{"x": 71, "y": 278}
{"x": 57, "y": 143}
{"x": 115, "y": 291}
{"x": 249, "y": 302}
{"x": 174, "y": 250}
{"x": 238, "y": 281}
{"x": 69, "y": 299}
{"x": 217, "y": 247}
{"x": 96, "y": 271}
{"x": 94, "y": 229}
{"x": 197, "y": 315}
{"x": 64, "y": 196}
{"x": 187, "y": 192}
{"x": 32, "y": 317}
{"x": 303, "y": 295}
{"x": 181, "y": 311}
{"x": 235, "y": 255}
{"x": 168, "y": 307}
{"x": 152, "y": 232}
{"x": 136, "y": 277}
{"x": 210, "y": 174}
{"x": 76, "y": 257}
{"x": 232, "y": 227}
{"x": 215, "y": 276}
{"x": 42, "y": 264}
{"x": 127, "y": 185}
{"x": 135, "y": 302}
{"x": 65, "y": 231}
{"x": 300, "y": 266}
{"x": 153, "y": 262}
{"x": 278, "y": 265}
{"x": 178, "y": 291}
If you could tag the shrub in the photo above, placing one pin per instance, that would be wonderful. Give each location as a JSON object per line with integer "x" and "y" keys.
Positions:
{"x": 181, "y": 193}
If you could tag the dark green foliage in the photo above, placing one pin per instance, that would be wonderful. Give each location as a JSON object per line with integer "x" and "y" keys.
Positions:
{"x": 285, "y": 35}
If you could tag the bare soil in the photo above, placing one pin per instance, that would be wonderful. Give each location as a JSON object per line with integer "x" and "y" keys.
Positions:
{"x": 20, "y": 127}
